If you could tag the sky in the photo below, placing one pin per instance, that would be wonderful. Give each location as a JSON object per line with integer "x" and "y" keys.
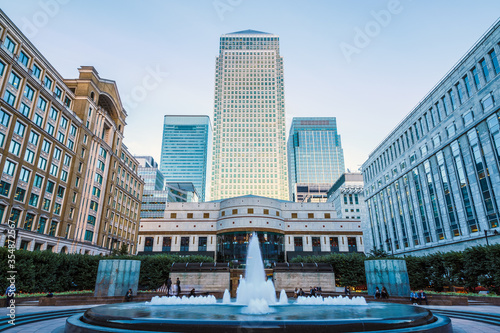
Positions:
{"x": 367, "y": 63}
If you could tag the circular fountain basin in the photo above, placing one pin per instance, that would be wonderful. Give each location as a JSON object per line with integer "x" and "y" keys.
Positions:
{"x": 218, "y": 318}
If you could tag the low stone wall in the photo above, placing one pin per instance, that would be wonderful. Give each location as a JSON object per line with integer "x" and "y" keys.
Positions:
{"x": 202, "y": 281}
{"x": 305, "y": 280}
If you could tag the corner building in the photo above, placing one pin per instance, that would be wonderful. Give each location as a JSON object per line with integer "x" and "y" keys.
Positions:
{"x": 434, "y": 183}
{"x": 63, "y": 162}
{"x": 249, "y": 148}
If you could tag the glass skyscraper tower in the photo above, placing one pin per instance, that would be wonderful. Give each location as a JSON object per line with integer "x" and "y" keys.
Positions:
{"x": 249, "y": 152}
{"x": 184, "y": 150}
{"x": 315, "y": 158}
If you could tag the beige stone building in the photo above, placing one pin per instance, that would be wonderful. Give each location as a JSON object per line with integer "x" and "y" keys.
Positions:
{"x": 68, "y": 183}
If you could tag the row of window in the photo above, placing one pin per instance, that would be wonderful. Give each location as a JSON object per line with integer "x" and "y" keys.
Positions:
{"x": 251, "y": 211}
{"x": 440, "y": 110}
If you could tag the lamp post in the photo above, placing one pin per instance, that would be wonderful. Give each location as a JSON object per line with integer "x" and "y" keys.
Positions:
{"x": 494, "y": 232}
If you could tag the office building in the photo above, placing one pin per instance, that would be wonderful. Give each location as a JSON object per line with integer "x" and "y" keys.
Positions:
{"x": 315, "y": 158}
{"x": 68, "y": 182}
{"x": 184, "y": 150}
{"x": 249, "y": 149}
{"x": 222, "y": 228}
{"x": 433, "y": 184}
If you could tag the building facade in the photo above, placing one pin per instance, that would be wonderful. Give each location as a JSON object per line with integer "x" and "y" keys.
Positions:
{"x": 434, "y": 184}
{"x": 184, "y": 150}
{"x": 347, "y": 196}
{"x": 315, "y": 158}
{"x": 222, "y": 229}
{"x": 60, "y": 151}
{"x": 249, "y": 148}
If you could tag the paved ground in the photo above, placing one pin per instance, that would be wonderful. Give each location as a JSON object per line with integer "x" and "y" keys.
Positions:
{"x": 57, "y": 325}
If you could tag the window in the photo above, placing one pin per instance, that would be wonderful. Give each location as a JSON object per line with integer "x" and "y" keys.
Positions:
{"x": 9, "y": 168}
{"x": 42, "y": 104}
{"x": 57, "y": 209}
{"x": 64, "y": 176}
{"x": 38, "y": 119}
{"x": 14, "y": 147}
{"x": 47, "y": 82}
{"x": 4, "y": 188}
{"x": 28, "y": 223}
{"x": 70, "y": 144}
{"x": 185, "y": 244}
{"x": 33, "y": 139}
{"x": 310, "y": 215}
{"x": 38, "y": 181}
{"x": 91, "y": 220}
{"x": 19, "y": 128}
{"x": 294, "y": 215}
{"x": 41, "y": 225}
{"x": 60, "y": 137}
{"x": 72, "y": 131}
{"x": 98, "y": 178}
{"x": 102, "y": 152}
{"x": 297, "y": 242}
{"x": 94, "y": 205}
{"x": 20, "y": 194}
{"x": 461, "y": 96}
{"x": 467, "y": 85}
{"x": 33, "y": 200}
{"x": 206, "y": 215}
{"x": 14, "y": 80}
{"x": 9, "y": 98}
{"x": 25, "y": 110}
{"x": 436, "y": 141}
{"x": 4, "y": 118}
{"x": 42, "y": 163}
{"x": 475, "y": 75}
{"x": 2, "y": 68}
{"x": 54, "y": 169}
{"x": 451, "y": 130}
{"x": 49, "y": 129}
{"x": 29, "y": 156}
{"x": 63, "y": 123}
{"x": 36, "y": 71}
{"x": 484, "y": 67}
{"x": 9, "y": 44}
{"x": 23, "y": 59}
{"x": 53, "y": 113}
{"x": 46, "y": 204}
{"x": 250, "y": 211}
{"x": 494, "y": 61}
{"x": 189, "y": 215}
{"x": 100, "y": 165}
{"x": 67, "y": 160}
{"x": 96, "y": 192}
{"x": 327, "y": 215}
{"x": 89, "y": 235}
{"x": 235, "y": 211}
{"x": 58, "y": 92}
{"x": 67, "y": 102}
{"x": 487, "y": 103}
{"x": 173, "y": 215}
{"x": 468, "y": 117}
{"x": 24, "y": 175}
{"x": 46, "y": 146}
{"x": 423, "y": 150}
{"x": 50, "y": 187}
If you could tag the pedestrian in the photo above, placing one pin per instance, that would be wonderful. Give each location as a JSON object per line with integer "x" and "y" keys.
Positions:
{"x": 347, "y": 291}
{"x": 296, "y": 293}
{"x": 10, "y": 293}
{"x": 422, "y": 297}
{"x": 128, "y": 295}
{"x": 385, "y": 294}
{"x": 377, "y": 293}
{"x": 414, "y": 297}
{"x": 178, "y": 283}
{"x": 169, "y": 286}
{"x": 312, "y": 292}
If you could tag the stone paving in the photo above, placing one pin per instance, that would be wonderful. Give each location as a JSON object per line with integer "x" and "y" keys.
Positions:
{"x": 57, "y": 325}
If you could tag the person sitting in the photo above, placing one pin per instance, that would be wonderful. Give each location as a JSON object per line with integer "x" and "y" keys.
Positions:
{"x": 312, "y": 292}
{"x": 414, "y": 297}
{"x": 192, "y": 292}
{"x": 296, "y": 293}
{"x": 128, "y": 295}
{"x": 384, "y": 293}
{"x": 377, "y": 293}
{"x": 301, "y": 292}
{"x": 422, "y": 297}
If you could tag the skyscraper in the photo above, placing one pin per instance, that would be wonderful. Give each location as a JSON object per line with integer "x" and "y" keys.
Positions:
{"x": 184, "y": 150}
{"x": 315, "y": 158}
{"x": 249, "y": 152}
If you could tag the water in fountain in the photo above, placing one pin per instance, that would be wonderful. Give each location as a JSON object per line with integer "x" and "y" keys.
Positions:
{"x": 283, "y": 297}
{"x": 226, "y": 299}
{"x": 254, "y": 285}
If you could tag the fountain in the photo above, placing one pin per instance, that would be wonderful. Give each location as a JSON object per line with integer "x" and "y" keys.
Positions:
{"x": 256, "y": 309}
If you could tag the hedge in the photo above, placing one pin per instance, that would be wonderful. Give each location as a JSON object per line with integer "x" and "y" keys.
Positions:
{"x": 43, "y": 271}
